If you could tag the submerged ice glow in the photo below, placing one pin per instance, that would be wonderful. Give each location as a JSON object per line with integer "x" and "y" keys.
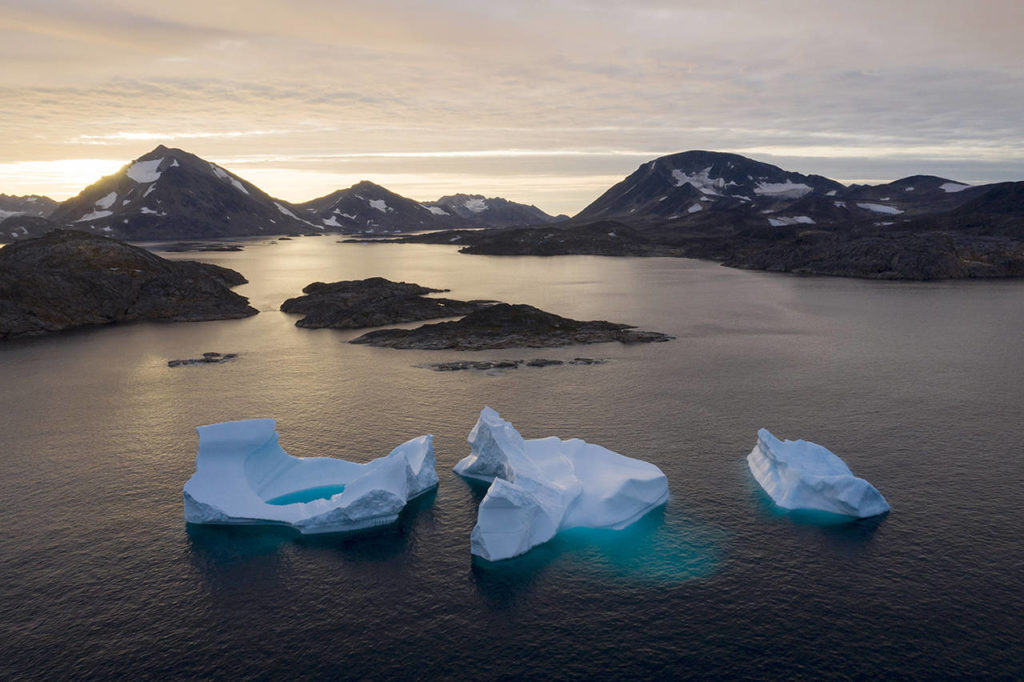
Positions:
{"x": 542, "y": 486}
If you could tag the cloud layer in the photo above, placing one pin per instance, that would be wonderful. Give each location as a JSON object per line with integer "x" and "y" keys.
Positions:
{"x": 514, "y": 98}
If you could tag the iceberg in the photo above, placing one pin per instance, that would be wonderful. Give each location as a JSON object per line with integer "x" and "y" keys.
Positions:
{"x": 799, "y": 475}
{"x": 243, "y": 476}
{"x": 542, "y": 486}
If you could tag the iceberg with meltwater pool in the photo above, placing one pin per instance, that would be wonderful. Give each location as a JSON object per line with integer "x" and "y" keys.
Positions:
{"x": 244, "y": 477}
{"x": 544, "y": 485}
{"x": 799, "y": 475}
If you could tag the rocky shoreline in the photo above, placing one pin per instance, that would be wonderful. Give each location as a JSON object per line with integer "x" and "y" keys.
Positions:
{"x": 484, "y": 365}
{"x": 67, "y": 279}
{"x": 508, "y": 326}
{"x": 372, "y": 302}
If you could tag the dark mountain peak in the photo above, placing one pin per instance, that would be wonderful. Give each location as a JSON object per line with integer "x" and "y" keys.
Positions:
{"x": 368, "y": 186}
{"x": 32, "y": 205}
{"x": 170, "y": 193}
{"x": 367, "y": 207}
{"x": 478, "y": 210}
{"x": 1003, "y": 198}
{"x": 687, "y": 183}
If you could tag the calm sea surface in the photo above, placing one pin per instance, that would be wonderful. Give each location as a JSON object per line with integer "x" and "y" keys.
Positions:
{"x": 919, "y": 387}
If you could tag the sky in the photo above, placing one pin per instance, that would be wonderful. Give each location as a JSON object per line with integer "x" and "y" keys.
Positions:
{"x": 547, "y": 103}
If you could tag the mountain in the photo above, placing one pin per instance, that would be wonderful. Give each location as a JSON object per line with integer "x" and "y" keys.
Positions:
{"x": 688, "y": 183}
{"x": 171, "y": 194}
{"x": 32, "y": 205}
{"x": 476, "y": 210}
{"x": 369, "y": 208}
{"x": 366, "y": 207}
{"x": 749, "y": 214}
{"x": 19, "y": 227}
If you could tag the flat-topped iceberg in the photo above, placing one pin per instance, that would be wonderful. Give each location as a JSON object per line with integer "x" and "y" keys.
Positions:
{"x": 799, "y": 475}
{"x": 244, "y": 477}
{"x": 545, "y": 485}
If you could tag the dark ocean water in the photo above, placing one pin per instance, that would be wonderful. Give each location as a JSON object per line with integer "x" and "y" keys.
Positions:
{"x": 919, "y": 387}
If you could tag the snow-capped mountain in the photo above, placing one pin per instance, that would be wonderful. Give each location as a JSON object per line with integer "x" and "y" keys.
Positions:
{"x": 689, "y": 183}
{"x": 366, "y": 207}
{"x": 171, "y": 194}
{"x": 33, "y": 205}
{"x": 476, "y": 210}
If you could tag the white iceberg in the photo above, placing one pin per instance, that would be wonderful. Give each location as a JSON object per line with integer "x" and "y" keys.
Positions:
{"x": 244, "y": 477}
{"x": 545, "y": 485}
{"x": 799, "y": 475}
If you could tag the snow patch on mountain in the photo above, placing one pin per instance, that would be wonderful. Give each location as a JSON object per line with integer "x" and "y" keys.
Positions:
{"x": 284, "y": 210}
{"x": 879, "y": 208}
{"x": 107, "y": 201}
{"x": 475, "y": 204}
{"x": 953, "y": 187}
{"x": 782, "y": 190}
{"x": 224, "y": 175}
{"x": 145, "y": 171}
{"x": 437, "y": 210}
{"x": 695, "y": 208}
{"x": 94, "y": 215}
{"x": 700, "y": 180}
{"x": 795, "y": 220}
{"x": 380, "y": 205}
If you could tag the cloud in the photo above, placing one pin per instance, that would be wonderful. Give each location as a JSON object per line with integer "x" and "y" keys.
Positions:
{"x": 563, "y": 82}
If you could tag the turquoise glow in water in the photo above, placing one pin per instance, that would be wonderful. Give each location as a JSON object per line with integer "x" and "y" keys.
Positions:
{"x": 308, "y": 495}
{"x": 917, "y": 387}
{"x": 651, "y": 550}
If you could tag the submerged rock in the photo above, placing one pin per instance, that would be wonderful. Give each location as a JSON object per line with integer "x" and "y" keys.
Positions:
{"x": 68, "y": 279}
{"x": 244, "y": 477}
{"x": 799, "y": 475}
{"x": 372, "y": 302}
{"x": 508, "y": 326}
{"x": 540, "y": 487}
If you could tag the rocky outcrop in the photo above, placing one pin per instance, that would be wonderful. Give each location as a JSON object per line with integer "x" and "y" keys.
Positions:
{"x": 372, "y": 302}
{"x": 483, "y": 365}
{"x": 508, "y": 326}
{"x": 69, "y": 279}
{"x": 210, "y": 358}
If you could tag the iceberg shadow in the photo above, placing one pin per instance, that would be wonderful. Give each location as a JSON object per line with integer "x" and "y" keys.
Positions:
{"x": 226, "y": 554}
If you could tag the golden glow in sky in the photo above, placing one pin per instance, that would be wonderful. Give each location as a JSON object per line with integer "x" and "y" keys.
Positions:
{"x": 544, "y": 103}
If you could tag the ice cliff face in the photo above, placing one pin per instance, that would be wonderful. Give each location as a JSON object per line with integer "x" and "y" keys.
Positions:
{"x": 542, "y": 486}
{"x": 805, "y": 476}
{"x": 244, "y": 477}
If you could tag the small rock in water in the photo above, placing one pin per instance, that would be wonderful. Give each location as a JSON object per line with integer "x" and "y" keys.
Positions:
{"x": 473, "y": 364}
{"x": 458, "y": 365}
{"x": 208, "y": 358}
{"x": 541, "y": 362}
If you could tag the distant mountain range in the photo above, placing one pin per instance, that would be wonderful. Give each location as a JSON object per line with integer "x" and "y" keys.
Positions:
{"x": 750, "y": 214}
{"x": 171, "y": 194}
{"x": 698, "y": 204}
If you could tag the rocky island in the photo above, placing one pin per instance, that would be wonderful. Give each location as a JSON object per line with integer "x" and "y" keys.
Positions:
{"x": 68, "y": 279}
{"x": 372, "y": 302}
{"x": 508, "y": 326}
